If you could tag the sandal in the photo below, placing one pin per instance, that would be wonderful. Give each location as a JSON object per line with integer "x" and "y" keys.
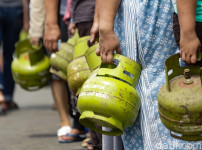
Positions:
{"x": 90, "y": 145}
{"x": 63, "y": 131}
{"x": 76, "y": 138}
{"x": 85, "y": 141}
{"x": 7, "y": 106}
{"x": 10, "y": 106}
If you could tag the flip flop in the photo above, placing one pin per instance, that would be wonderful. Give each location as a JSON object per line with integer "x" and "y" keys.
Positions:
{"x": 84, "y": 143}
{"x": 64, "y": 130}
{"x": 76, "y": 137}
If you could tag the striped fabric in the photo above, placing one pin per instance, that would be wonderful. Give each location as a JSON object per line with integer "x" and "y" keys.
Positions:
{"x": 144, "y": 29}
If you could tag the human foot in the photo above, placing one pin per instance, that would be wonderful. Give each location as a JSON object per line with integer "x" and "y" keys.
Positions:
{"x": 8, "y": 106}
{"x": 63, "y": 131}
{"x": 84, "y": 143}
{"x": 73, "y": 136}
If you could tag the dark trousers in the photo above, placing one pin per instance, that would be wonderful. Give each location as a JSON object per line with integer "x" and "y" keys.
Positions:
{"x": 74, "y": 112}
{"x": 84, "y": 28}
{"x": 63, "y": 29}
{"x": 11, "y": 21}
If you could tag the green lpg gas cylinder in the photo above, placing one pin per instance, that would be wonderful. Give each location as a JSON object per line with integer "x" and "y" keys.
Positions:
{"x": 60, "y": 60}
{"x": 180, "y": 100}
{"x": 77, "y": 73}
{"x": 108, "y": 98}
{"x": 30, "y": 67}
{"x": 78, "y": 70}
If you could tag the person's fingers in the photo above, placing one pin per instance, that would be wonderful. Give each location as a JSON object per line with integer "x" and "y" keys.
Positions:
{"x": 72, "y": 31}
{"x": 103, "y": 56}
{"x": 183, "y": 56}
{"x": 98, "y": 51}
{"x": 188, "y": 59}
{"x": 118, "y": 50}
{"x": 69, "y": 29}
{"x": 55, "y": 46}
{"x": 110, "y": 58}
{"x": 92, "y": 37}
{"x": 193, "y": 59}
{"x": 47, "y": 46}
{"x": 50, "y": 47}
{"x": 35, "y": 42}
{"x": 45, "y": 43}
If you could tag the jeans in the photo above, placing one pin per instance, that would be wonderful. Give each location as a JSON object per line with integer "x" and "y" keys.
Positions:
{"x": 11, "y": 21}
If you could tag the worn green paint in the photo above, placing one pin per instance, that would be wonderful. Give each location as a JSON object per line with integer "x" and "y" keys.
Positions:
{"x": 108, "y": 98}
{"x": 30, "y": 67}
{"x": 78, "y": 70}
{"x": 60, "y": 60}
{"x": 180, "y": 104}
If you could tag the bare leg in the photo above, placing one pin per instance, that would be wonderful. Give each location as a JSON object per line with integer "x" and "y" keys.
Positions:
{"x": 60, "y": 95}
{"x": 1, "y": 97}
{"x": 1, "y": 80}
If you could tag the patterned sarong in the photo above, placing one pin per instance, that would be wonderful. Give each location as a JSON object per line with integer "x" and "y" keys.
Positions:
{"x": 144, "y": 28}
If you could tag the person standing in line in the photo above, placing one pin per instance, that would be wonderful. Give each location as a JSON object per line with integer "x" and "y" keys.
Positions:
{"x": 59, "y": 88}
{"x": 86, "y": 21}
{"x": 13, "y": 18}
{"x": 142, "y": 31}
{"x": 51, "y": 37}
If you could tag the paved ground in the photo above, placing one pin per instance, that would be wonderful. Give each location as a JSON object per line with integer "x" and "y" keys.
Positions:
{"x": 34, "y": 126}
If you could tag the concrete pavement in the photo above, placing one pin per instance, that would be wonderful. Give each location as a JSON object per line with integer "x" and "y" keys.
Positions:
{"x": 34, "y": 125}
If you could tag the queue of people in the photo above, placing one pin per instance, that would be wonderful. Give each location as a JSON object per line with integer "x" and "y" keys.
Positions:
{"x": 147, "y": 31}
